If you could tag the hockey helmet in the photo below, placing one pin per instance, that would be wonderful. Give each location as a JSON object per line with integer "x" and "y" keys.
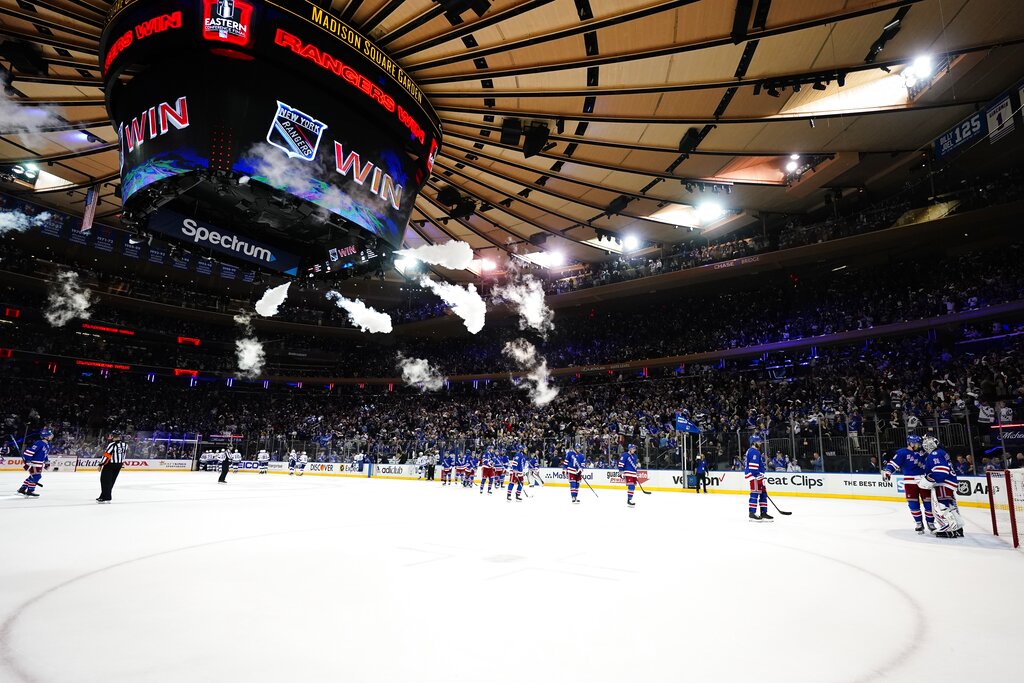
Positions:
{"x": 45, "y": 433}
{"x": 756, "y": 440}
{"x": 930, "y": 443}
{"x": 913, "y": 439}
{"x": 631, "y": 447}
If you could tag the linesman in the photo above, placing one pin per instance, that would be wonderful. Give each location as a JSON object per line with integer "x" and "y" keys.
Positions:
{"x": 113, "y": 460}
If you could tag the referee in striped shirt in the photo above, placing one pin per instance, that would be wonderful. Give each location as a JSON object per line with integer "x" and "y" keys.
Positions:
{"x": 113, "y": 461}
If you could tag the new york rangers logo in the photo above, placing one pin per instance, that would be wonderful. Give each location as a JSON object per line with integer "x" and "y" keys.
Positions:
{"x": 295, "y": 132}
{"x": 227, "y": 21}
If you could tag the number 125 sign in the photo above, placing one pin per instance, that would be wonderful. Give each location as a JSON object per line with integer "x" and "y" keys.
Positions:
{"x": 972, "y": 128}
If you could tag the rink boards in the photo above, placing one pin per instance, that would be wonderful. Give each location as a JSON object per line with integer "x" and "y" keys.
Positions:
{"x": 972, "y": 491}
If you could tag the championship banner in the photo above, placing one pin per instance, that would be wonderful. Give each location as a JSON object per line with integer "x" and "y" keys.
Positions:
{"x": 999, "y": 116}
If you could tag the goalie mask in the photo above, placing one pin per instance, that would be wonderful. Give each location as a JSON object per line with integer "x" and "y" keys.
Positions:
{"x": 930, "y": 443}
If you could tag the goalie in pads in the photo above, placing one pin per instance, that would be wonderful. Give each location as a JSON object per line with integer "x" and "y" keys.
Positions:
{"x": 941, "y": 479}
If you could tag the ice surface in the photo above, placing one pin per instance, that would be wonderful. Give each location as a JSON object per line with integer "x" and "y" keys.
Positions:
{"x": 278, "y": 578}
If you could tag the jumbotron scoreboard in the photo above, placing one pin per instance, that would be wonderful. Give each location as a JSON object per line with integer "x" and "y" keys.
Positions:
{"x": 256, "y": 127}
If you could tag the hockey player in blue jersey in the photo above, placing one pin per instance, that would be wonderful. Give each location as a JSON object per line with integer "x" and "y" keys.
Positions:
{"x": 909, "y": 462}
{"x": 470, "y": 471}
{"x": 460, "y": 468}
{"x": 500, "y": 465}
{"x": 628, "y": 469}
{"x": 486, "y": 470}
{"x": 517, "y": 466}
{"x": 447, "y": 463}
{"x": 36, "y": 458}
{"x": 573, "y": 465}
{"x": 753, "y": 472}
{"x": 940, "y": 477}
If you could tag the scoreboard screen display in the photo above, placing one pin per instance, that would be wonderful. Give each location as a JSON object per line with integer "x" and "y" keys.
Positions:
{"x": 278, "y": 92}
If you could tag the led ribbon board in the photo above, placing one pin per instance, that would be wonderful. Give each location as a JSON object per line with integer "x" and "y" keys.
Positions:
{"x": 280, "y": 91}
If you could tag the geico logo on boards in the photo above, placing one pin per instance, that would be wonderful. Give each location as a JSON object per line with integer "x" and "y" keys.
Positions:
{"x": 200, "y": 233}
{"x": 248, "y": 464}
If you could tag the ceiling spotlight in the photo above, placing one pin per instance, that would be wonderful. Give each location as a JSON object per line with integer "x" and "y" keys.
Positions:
{"x": 630, "y": 242}
{"x": 773, "y": 91}
{"x": 709, "y": 212}
{"x": 820, "y": 85}
{"x": 486, "y": 264}
{"x": 794, "y": 157}
{"x": 556, "y": 258}
{"x": 922, "y": 67}
{"x": 792, "y": 166}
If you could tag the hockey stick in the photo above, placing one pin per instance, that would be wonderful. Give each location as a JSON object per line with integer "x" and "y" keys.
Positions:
{"x": 584, "y": 480}
{"x": 781, "y": 512}
{"x": 641, "y": 487}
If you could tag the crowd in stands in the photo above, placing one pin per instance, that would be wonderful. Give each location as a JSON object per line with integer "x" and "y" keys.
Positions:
{"x": 780, "y": 308}
{"x": 833, "y": 411}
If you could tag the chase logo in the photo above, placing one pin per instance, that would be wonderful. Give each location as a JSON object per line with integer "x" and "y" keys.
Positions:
{"x": 295, "y": 133}
{"x": 963, "y": 488}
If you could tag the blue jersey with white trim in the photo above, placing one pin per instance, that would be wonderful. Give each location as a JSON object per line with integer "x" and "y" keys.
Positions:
{"x": 574, "y": 462}
{"x": 37, "y": 454}
{"x": 939, "y": 469}
{"x": 500, "y": 461}
{"x": 446, "y": 462}
{"x": 534, "y": 463}
{"x": 754, "y": 467}
{"x": 518, "y": 463}
{"x": 911, "y": 464}
{"x": 627, "y": 463}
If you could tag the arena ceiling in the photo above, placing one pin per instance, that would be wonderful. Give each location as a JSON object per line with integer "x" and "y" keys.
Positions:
{"x": 655, "y": 112}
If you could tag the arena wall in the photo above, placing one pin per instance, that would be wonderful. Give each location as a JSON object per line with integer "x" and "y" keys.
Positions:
{"x": 972, "y": 491}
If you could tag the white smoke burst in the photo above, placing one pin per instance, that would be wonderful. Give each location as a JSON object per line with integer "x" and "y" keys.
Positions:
{"x": 23, "y": 121}
{"x": 67, "y": 299}
{"x": 452, "y": 255}
{"x": 538, "y": 378}
{"x": 526, "y": 294}
{"x": 16, "y": 221}
{"x": 244, "y": 320}
{"x": 419, "y": 373}
{"x": 271, "y": 301}
{"x": 465, "y": 302}
{"x": 251, "y": 356}
{"x": 280, "y": 170}
{"x": 362, "y": 316}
